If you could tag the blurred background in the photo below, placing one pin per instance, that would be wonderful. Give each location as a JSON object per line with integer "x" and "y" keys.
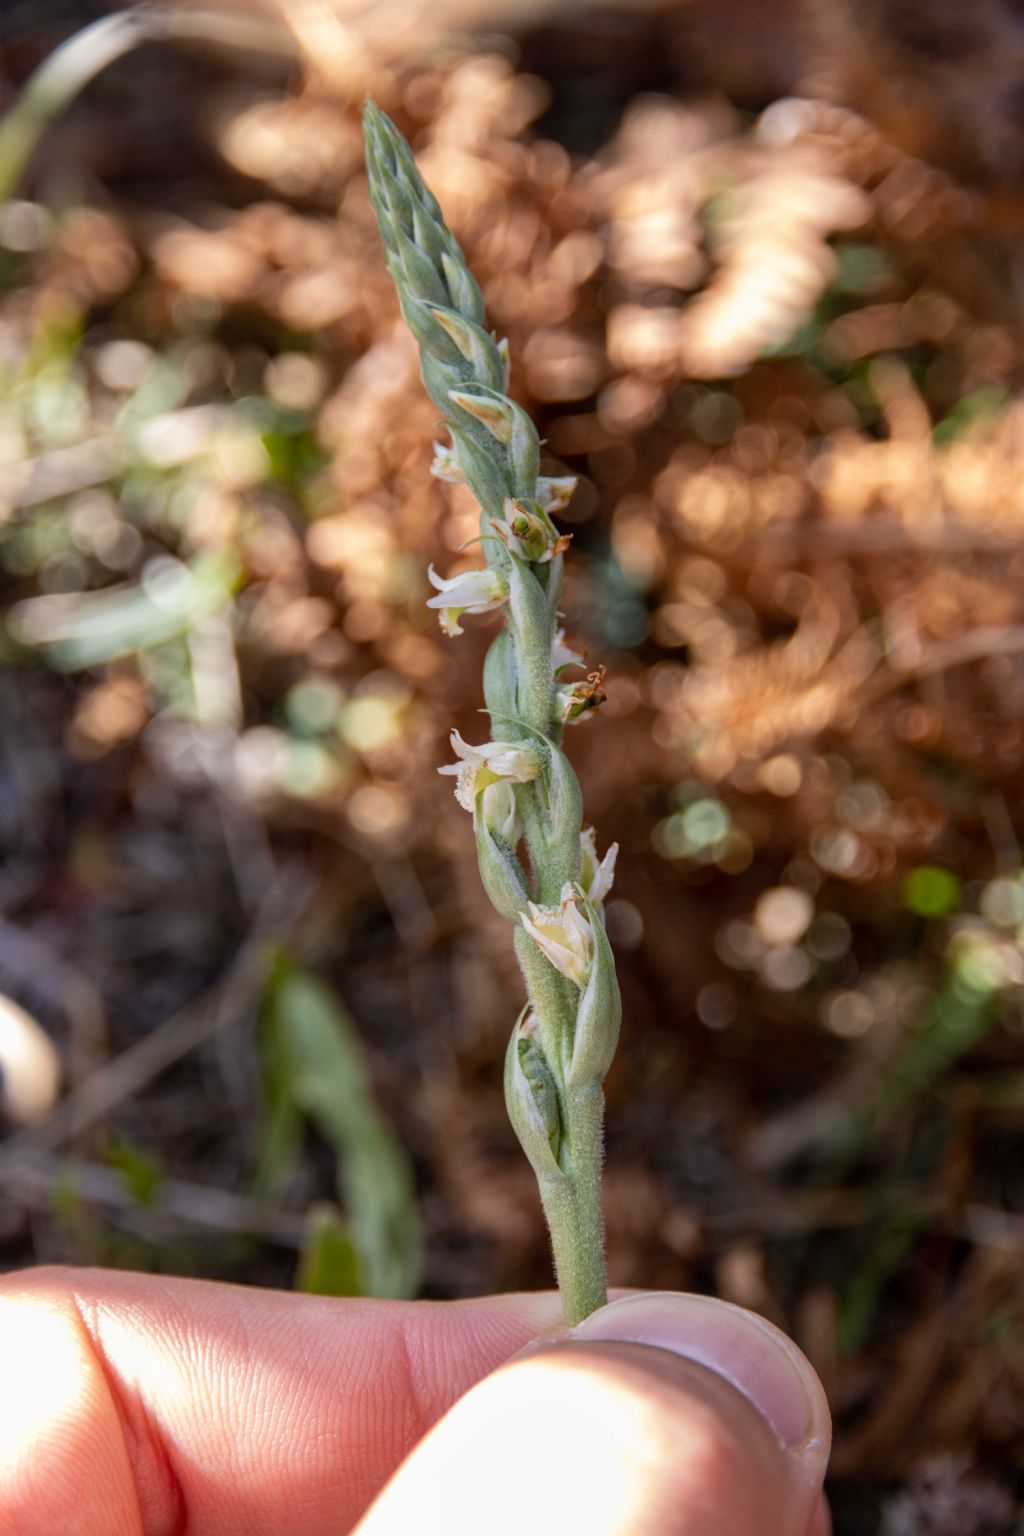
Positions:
{"x": 759, "y": 264}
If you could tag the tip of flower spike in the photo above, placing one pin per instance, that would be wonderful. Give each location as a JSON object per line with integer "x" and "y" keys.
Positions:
{"x": 375, "y": 123}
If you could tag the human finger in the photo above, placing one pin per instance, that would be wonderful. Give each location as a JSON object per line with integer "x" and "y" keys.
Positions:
{"x": 659, "y": 1415}
{"x": 139, "y": 1405}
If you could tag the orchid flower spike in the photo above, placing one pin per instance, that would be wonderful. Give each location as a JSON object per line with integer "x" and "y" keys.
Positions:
{"x": 539, "y": 869}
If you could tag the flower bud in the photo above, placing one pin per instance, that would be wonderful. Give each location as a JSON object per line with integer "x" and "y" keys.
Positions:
{"x": 510, "y": 424}
{"x": 599, "y": 1015}
{"x": 529, "y": 622}
{"x": 494, "y": 414}
{"x": 472, "y": 341}
{"x": 500, "y": 869}
{"x": 463, "y": 288}
{"x": 532, "y": 1100}
{"x": 565, "y": 807}
{"x": 421, "y": 276}
{"x": 523, "y": 452}
{"x": 487, "y": 478}
{"x": 437, "y": 345}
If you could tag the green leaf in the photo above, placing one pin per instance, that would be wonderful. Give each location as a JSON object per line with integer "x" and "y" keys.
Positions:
{"x": 328, "y": 1262}
{"x": 321, "y": 1058}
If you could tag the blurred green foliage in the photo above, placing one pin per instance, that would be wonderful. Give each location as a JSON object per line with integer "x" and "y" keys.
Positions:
{"x": 315, "y": 1071}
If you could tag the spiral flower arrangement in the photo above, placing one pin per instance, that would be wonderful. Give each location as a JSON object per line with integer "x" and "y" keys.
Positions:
{"x": 539, "y": 865}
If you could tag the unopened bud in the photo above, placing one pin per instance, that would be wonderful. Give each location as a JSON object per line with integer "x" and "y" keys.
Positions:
{"x": 532, "y": 1100}
{"x": 495, "y": 415}
{"x": 486, "y": 477}
{"x": 565, "y": 805}
{"x": 500, "y": 870}
{"x": 472, "y": 341}
{"x": 599, "y": 1015}
{"x": 421, "y": 275}
{"x": 462, "y": 285}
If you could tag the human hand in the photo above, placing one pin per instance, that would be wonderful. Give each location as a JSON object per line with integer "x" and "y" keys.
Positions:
{"x": 135, "y": 1405}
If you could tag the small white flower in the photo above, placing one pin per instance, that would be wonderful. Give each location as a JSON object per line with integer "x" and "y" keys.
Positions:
{"x": 477, "y": 591}
{"x": 485, "y": 765}
{"x": 563, "y": 655}
{"x": 528, "y": 532}
{"x": 445, "y": 465}
{"x": 596, "y": 876}
{"x": 554, "y": 492}
{"x": 577, "y": 701}
{"x": 565, "y": 935}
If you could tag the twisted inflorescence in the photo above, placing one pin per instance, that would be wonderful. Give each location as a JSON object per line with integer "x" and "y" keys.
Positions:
{"x": 519, "y": 786}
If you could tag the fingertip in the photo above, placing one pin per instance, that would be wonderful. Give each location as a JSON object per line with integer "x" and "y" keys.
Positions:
{"x": 748, "y": 1351}
{"x": 602, "y": 1437}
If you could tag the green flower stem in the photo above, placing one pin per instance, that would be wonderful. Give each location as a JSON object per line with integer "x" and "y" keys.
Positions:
{"x": 573, "y": 1211}
{"x": 563, "y": 1041}
{"x": 587, "y": 1283}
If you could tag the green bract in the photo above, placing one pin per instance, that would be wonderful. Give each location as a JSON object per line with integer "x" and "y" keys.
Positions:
{"x": 539, "y": 868}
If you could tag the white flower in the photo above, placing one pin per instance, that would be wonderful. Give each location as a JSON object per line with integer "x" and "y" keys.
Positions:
{"x": 577, "y": 701}
{"x": 477, "y": 591}
{"x": 563, "y": 655}
{"x": 596, "y": 876}
{"x": 445, "y": 465}
{"x": 485, "y": 765}
{"x": 554, "y": 492}
{"x": 526, "y": 530}
{"x": 564, "y": 934}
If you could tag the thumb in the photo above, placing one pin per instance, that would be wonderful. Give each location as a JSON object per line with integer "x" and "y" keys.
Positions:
{"x": 661, "y": 1414}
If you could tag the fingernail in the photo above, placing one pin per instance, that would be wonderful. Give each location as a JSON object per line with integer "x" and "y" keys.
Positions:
{"x": 746, "y": 1350}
